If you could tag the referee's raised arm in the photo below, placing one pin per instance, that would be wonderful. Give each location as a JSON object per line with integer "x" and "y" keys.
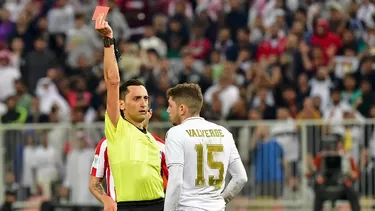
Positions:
{"x": 111, "y": 71}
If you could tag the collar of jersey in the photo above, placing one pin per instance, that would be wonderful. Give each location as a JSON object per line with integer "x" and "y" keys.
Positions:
{"x": 192, "y": 118}
{"x": 143, "y": 130}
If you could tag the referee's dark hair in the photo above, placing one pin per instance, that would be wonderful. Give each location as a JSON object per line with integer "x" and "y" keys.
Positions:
{"x": 124, "y": 87}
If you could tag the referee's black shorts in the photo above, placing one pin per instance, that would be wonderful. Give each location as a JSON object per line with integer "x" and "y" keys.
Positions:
{"x": 152, "y": 205}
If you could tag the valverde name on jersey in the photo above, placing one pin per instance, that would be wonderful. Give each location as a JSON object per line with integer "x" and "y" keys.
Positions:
{"x": 205, "y": 133}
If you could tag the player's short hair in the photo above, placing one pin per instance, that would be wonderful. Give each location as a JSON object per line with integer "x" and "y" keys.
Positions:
{"x": 124, "y": 87}
{"x": 189, "y": 94}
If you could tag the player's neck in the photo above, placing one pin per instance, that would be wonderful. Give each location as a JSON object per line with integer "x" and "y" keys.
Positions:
{"x": 183, "y": 118}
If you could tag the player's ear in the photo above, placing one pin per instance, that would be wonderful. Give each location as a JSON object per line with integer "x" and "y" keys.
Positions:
{"x": 182, "y": 109}
{"x": 122, "y": 105}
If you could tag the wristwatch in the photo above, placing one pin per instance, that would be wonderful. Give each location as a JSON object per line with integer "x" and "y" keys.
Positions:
{"x": 108, "y": 42}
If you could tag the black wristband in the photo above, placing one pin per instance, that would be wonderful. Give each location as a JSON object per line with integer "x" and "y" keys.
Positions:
{"x": 111, "y": 41}
{"x": 108, "y": 42}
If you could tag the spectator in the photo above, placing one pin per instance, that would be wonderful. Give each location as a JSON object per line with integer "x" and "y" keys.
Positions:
{"x": 10, "y": 199}
{"x": 225, "y": 92}
{"x": 79, "y": 97}
{"x": 35, "y": 115}
{"x": 308, "y": 111}
{"x": 236, "y": 18}
{"x": 200, "y": 45}
{"x": 321, "y": 86}
{"x": 180, "y": 8}
{"x": 8, "y": 75}
{"x": 86, "y": 7}
{"x": 7, "y": 26}
{"x": 335, "y": 112}
{"x": 263, "y": 101}
{"x": 78, "y": 171}
{"x": 363, "y": 104}
{"x": 365, "y": 12}
{"x": 61, "y": 17}
{"x": 242, "y": 38}
{"x": 285, "y": 133}
{"x": 49, "y": 96}
{"x": 28, "y": 173}
{"x": 117, "y": 21}
{"x": 18, "y": 49}
{"x": 189, "y": 72}
{"x": 14, "y": 114}
{"x": 25, "y": 31}
{"x": 24, "y": 99}
{"x": 288, "y": 100}
{"x": 275, "y": 45}
{"x": 159, "y": 23}
{"x": 224, "y": 41}
{"x": 238, "y": 111}
{"x": 11, "y": 186}
{"x": 38, "y": 62}
{"x": 325, "y": 39}
{"x": 350, "y": 95}
{"x": 303, "y": 88}
{"x": 176, "y": 37}
{"x": 47, "y": 167}
{"x": 366, "y": 71}
{"x": 81, "y": 41}
{"x": 150, "y": 41}
{"x": 288, "y": 61}
{"x": 210, "y": 27}
{"x": 270, "y": 172}
{"x": 353, "y": 134}
{"x": 15, "y": 8}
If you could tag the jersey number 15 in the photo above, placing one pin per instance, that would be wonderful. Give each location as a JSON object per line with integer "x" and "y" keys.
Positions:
{"x": 212, "y": 181}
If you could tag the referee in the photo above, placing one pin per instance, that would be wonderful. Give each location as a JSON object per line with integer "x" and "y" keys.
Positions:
{"x": 133, "y": 153}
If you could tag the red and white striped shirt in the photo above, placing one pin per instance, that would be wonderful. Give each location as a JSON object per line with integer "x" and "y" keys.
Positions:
{"x": 100, "y": 166}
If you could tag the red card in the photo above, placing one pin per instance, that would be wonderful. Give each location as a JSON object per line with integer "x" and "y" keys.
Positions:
{"x": 100, "y": 10}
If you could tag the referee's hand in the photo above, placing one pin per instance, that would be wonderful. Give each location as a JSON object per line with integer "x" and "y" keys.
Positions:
{"x": 109, "y": 204}
{"x": 103, "y": 27}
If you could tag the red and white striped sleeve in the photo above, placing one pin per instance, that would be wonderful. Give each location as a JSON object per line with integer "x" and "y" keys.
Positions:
{"x": 98, "y": 167}
{"x": 164, "y": 169}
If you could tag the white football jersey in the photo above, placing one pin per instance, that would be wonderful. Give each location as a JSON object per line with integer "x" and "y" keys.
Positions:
{"x": 205, "y": 150}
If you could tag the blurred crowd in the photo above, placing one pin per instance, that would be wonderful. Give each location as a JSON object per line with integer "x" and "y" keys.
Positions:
{"x": 254, "y": 59}
{"x": 249, "y": 57}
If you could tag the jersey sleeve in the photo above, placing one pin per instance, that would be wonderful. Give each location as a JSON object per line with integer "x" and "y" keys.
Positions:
{"x": 98, "y": 164}
{"x": 174, "y": 149}
{"x": 164, "y": 168}
{"x": 234, "y": 155}
{"x": 110, "y": 130}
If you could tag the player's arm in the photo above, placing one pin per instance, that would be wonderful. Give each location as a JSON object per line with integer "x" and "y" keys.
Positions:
{"x": 238, "y": 173}
{"x": 174, "y": 153}
{"x": 96, "y": 177}
{"x": 111, "y": 72}
{"x": 97, "y": 189}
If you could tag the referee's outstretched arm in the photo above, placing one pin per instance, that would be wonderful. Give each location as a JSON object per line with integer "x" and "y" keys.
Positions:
{"x": 112, "y": 80}
{"x": 111, "y": 71}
